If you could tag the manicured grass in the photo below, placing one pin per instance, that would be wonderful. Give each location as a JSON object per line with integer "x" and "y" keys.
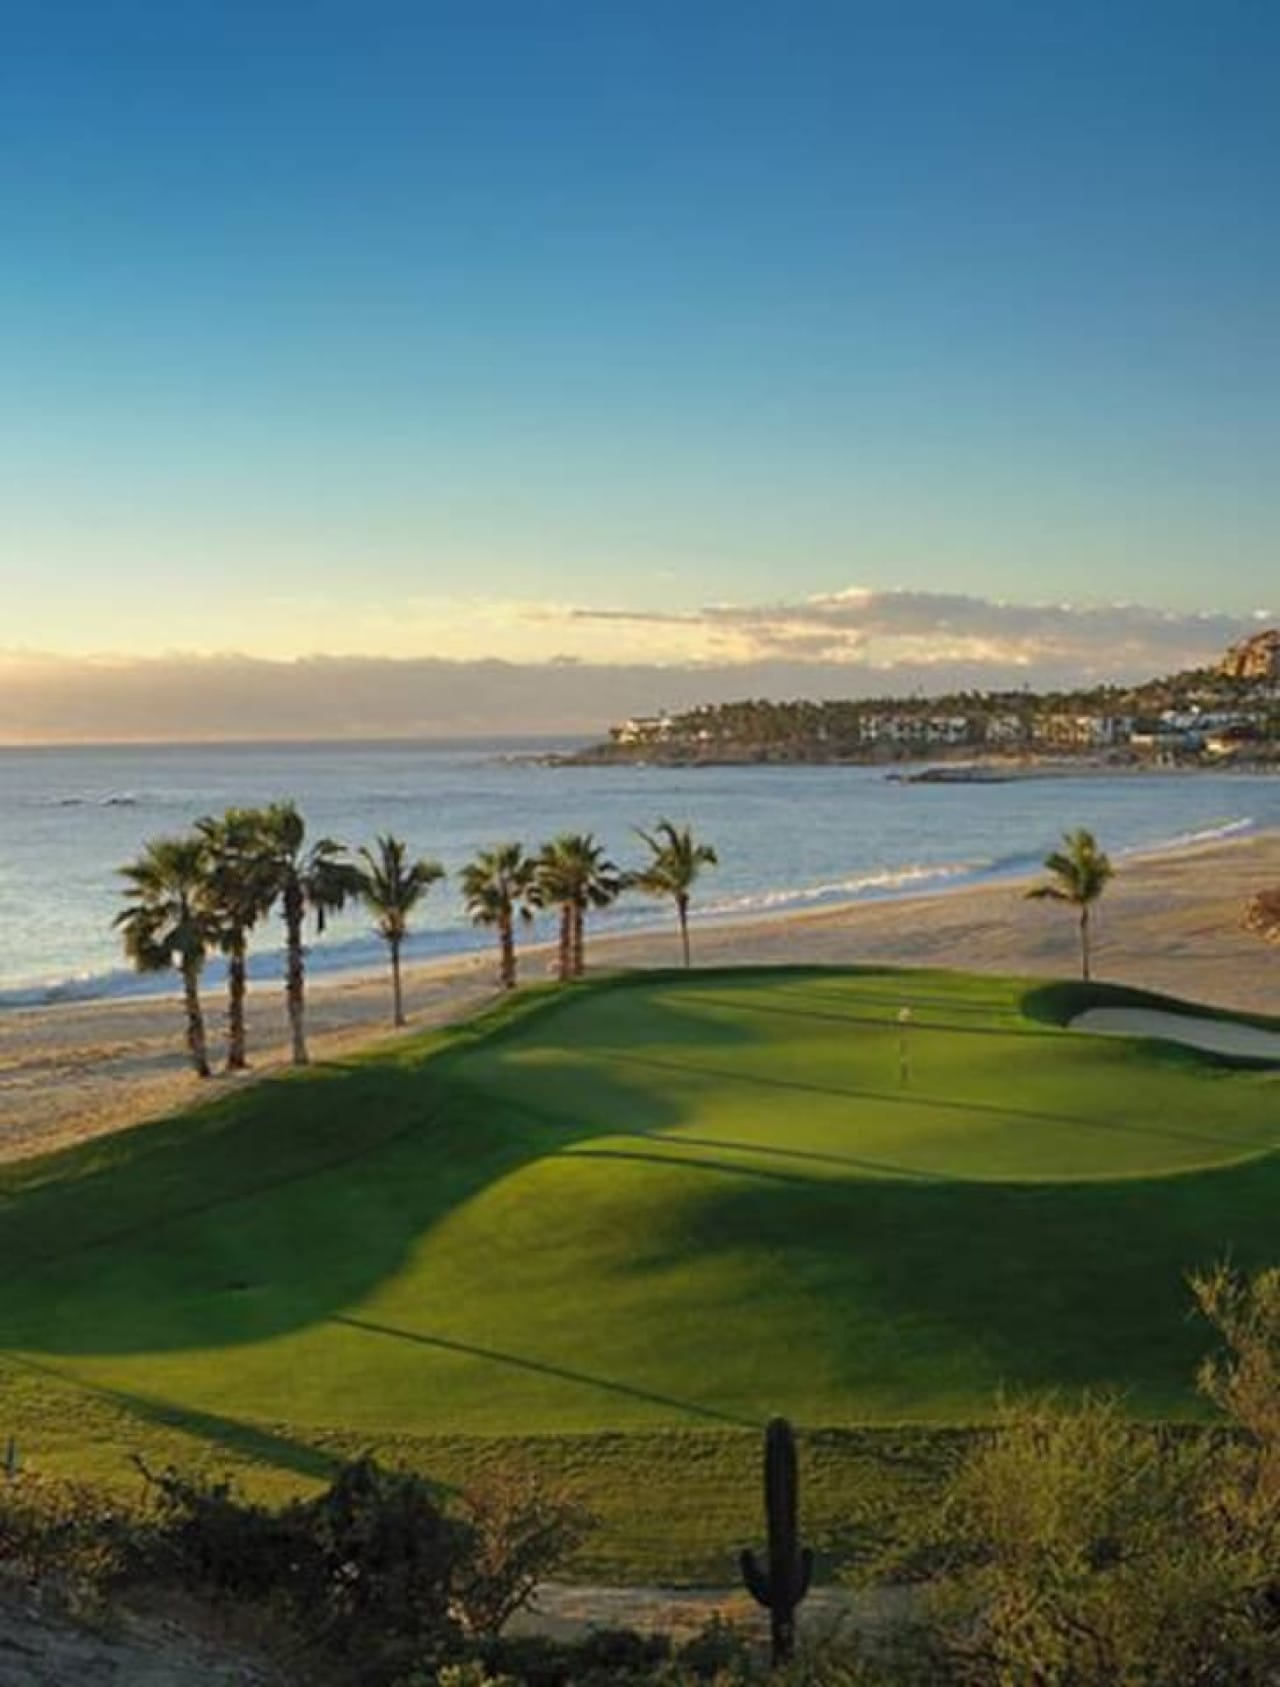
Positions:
{"x": 648, "y": 1204}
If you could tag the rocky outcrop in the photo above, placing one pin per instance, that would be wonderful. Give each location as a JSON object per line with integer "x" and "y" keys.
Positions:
{"x": 1254, "y": 658}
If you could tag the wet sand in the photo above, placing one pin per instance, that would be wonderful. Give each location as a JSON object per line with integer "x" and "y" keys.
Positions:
{"x": 1169, "y": 922}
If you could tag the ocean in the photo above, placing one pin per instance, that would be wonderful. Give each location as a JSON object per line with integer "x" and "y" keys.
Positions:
{"x": 788, "y": 837}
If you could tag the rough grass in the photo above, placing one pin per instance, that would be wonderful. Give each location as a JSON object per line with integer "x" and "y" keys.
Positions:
{"x": 591, "y": 1218}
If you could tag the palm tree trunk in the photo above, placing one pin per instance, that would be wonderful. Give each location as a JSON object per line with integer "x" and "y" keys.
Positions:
{"x": 397, "y": 992}
{"x": 295, "y": 976}
{"x": 507, "y": 951}
{"x": 1084, "y": 942}
{"x": 579, "y": 941}
{"x": 236, "y": 985}
{"x": 564, "y": 966}
{"x": 682, "y": 912}
{"x": 195, "y": 1020}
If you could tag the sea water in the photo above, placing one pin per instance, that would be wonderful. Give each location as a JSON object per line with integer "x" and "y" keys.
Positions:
{"x": 788, "y": 837}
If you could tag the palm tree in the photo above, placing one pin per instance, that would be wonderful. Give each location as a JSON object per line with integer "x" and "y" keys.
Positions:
{"x": 575, "y": 874}
{"x": 553, "y": 887}
{"x": 302, "y": 877}
{"x": 391, "y": 886}
{"x": 239, "y": 890}
{"x": 676, "y": 860}
{"x": 1079, "y": 874}
{"x": 497, "y": 887}
{"x": 167, "y": 923}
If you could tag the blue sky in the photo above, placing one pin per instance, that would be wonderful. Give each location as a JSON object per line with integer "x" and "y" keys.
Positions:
{"x": 410, "y": 329}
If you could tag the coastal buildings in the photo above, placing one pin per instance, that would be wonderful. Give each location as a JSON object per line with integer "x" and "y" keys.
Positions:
{"x": 1083, "y": 731}
{"x": 1226, "y": 713}
{"x": 642, "y": 729}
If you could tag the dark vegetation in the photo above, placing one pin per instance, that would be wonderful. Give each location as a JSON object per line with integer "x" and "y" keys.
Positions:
{"x": 850, "y": 729}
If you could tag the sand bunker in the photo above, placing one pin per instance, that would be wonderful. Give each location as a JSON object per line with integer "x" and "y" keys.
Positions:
{"x": 1218, "y": 1036}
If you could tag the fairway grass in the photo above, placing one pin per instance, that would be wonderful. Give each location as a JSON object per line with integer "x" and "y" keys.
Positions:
{"x": 617, "y": 1226}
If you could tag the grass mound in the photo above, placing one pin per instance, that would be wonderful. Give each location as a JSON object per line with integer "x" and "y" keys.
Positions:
{"x": 657, "y": 1201}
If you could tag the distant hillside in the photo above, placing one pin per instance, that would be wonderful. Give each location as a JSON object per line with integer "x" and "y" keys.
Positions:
{"x": 1228, "y": 713}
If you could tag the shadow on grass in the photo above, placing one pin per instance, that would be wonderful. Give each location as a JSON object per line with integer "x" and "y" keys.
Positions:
{"x": 264, "y": 1212}
{"x": 521, "y": 1362}
{"x": 276, "y": 1209}
{"x": 847, "y": 1162}
{"x": 887, "y": 1022}
{"x": 909, "y": 995}
{"x": 252, "y": 1442}
{"x": 913, "y": 1096}
{"x": 1019, "y": 1287}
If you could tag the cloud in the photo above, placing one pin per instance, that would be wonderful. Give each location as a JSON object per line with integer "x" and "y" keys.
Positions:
{"x": 891, "y": 630}
{"x": 597, "y": 665}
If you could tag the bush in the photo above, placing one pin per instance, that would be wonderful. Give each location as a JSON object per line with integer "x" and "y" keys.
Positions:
{"x": 521, "y": 1530}
{"x": 1077, "y": 1548}
{"x": 371, "y": 1573}
{"x": 363, "y": 1573}
{"x": 717, "y": 1650}
{"x": 202, "y": 1536}
{"x": 718, "y": 1656}
{"x": 62, "y": 1538}
{"x": 611, "y": 1656}
{"x": 470, "y": 1674}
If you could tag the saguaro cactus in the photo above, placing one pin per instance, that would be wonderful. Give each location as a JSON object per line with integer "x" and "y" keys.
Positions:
{"x": 780, "y": 1589}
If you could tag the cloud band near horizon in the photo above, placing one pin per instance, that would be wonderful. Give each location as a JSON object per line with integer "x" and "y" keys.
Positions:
{"x": 551, "y": 669}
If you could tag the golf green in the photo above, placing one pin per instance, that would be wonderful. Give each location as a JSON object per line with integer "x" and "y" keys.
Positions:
{"x": 657, "y": 1200}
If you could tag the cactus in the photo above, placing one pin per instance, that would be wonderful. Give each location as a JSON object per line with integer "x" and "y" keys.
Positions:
{"x": 780, "y": 1589}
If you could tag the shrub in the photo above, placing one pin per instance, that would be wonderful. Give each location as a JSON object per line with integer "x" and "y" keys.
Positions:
{"x": 715, "y": 1651}
{"x": 202, "y": 1536}
{"x": 1074, "y": 1547}
{"x": 718, "y": 1656}
{"x": 470, "y": 1674}
{"x": 364, "y": 1572}
{"x": 60, "y": 1537}
{"x": 521, "y": 1530}
{"x": 384, "y": 1563}
{"x": 613, "y": 1656}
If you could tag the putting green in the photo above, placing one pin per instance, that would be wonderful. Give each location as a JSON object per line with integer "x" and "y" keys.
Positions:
{"x": 657, "y": 1200}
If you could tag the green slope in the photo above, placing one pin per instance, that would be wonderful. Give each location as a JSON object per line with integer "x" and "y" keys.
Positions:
{"x": 651, "y": 1201}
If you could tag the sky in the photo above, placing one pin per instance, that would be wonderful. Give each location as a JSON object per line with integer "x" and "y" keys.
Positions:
{"x": 612, "y": 334}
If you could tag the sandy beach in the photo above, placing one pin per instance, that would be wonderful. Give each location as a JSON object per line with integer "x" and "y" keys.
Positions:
{"x": 1170, "y": 922}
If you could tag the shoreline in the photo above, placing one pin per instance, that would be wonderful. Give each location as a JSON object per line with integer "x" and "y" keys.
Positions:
{"x": 71, "y": 1070}
{"x": 936, "y": 767}
{"x": 908, "y": 883}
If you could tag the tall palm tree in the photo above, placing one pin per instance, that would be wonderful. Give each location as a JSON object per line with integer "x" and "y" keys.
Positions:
{"x": 498, "y": 888}
{"x": 553, "y": 887}
{"x": 575, "y": 874}
{"x": 1079, "y": 873}
{"x": 315, "y": 878}
{"x": 167, "y": 923}
{"x": 676, "y": 859}
{"x": 391, "y": 886}
{"x": 239, "y": 889}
